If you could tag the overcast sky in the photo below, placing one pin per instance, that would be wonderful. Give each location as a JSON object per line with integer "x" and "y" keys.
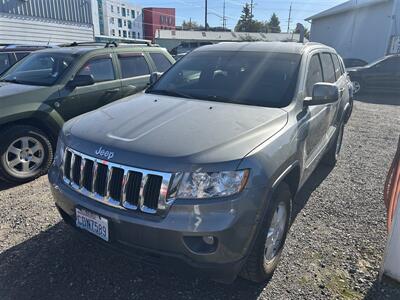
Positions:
{"x": 186, "y": 9}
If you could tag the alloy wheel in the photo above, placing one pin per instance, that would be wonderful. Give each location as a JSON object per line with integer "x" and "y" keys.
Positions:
{"x": 275, "y": 233}
{"x": 24, "y": 156}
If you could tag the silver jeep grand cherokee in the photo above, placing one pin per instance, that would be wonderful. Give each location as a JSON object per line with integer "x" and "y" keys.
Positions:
{"x": 204, "y": 165}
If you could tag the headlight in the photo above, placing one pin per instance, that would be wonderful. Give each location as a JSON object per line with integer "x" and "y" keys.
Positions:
{"x": 208, "y": 185}
{"x": 59, "y": 154}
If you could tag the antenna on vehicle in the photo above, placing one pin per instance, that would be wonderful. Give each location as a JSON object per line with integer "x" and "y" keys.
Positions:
{"x": 300, "y": 28}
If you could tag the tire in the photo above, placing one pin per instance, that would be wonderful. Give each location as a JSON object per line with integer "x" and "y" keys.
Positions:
{"x": 332, "y": 155}
{"x": 26, "y": 153}
{"x": 259, "y": 266}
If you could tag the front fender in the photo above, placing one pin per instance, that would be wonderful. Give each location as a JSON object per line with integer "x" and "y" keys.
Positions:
{"x": 38, "y": 111}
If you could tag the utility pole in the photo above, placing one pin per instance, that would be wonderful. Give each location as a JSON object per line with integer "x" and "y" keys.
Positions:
{"x": 290, "y": 16}
{"x": 251, "y": 10}
{"x": 223, "y": 17}
{"x": 205, "y": 16}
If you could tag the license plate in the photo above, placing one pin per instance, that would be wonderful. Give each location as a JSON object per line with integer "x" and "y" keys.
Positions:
{"x": 93, "y": 223}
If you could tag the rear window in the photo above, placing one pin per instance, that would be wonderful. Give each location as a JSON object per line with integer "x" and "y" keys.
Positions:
{"x": 161, "y": 62}
{"x": 338, "y": 69}
{"x": 133, "y": 65}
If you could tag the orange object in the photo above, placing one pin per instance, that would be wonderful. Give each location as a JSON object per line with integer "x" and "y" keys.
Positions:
{"x": 392, "y": 188}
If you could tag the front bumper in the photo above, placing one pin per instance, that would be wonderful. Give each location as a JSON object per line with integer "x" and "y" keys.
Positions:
{"x": 232, "y": 221}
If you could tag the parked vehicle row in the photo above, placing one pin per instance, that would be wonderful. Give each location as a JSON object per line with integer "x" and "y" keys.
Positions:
{"x": 382, "y": 75}
{"x": 52, "y": 86}
{"x": 203, "y": 167}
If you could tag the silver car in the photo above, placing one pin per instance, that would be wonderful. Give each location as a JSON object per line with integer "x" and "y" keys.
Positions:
{"x": 203, "y": 167}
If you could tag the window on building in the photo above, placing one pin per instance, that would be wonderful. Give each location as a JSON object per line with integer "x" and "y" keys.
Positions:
{"x": 314, "y": 74}
{"x": 161, "y": 62}
{"x": 129, "y": 34}
{"x": 129, "y": 24}
{"x": 112, "y": 8}
{"x": 328, "y": 68}
{"x": 119, "y": 22}
{"x": 119, "y": 32}
{"x": 127, "y": 12}
{"x": 124, "y": 22}
{"x": 100, "y": 68}
{"x": 138, "y": 35}
{"x": 124, "y": 34}
{"x": 118, "y": 10}
{"x": 134, "y": 34}
{"x": 123, "y": 12}
{"x": 113, "y": 32}
{"x": 133, "y": 14}
{"x": 133, "y": 65}
{"x": 112, "y": 20}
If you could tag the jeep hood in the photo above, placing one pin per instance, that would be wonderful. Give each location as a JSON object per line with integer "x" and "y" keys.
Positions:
{"x": 168, "y": 133}
{"x": 8, "y": 89}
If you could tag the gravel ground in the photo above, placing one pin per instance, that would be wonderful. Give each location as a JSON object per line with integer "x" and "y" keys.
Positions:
{"x": 334, "y": 249}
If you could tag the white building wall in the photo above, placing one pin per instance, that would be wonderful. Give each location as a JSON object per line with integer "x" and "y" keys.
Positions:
{"x": 29, "y": 30}
{"x": 361, "y": 33}
{"x": 113, "y": 12}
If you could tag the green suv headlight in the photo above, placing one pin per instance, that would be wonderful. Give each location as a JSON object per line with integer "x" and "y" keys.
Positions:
{"x": 199, "y": 185}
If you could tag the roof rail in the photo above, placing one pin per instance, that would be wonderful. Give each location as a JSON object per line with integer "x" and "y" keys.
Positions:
{"x": 106, "y": 45}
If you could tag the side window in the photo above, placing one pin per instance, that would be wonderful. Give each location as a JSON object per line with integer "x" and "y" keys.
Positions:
{"x": 133, "y": 65}
{"x": 327, "y": 67}
{"x": 100, "y": 68}
{"x": 161, "y": 62}
{"x": 21, "y": 55}
{"x": 314, "y": 74}
{"x": 336, "y": 64}
{"x": 5, "y": 62}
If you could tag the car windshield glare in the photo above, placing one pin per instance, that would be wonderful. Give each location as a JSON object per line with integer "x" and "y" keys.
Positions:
{"x": 39, "y": 69}
{"x": 242, "y": 77}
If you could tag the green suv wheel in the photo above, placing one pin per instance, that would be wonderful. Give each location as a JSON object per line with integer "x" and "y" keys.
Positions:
{"x": 25, "y": 154}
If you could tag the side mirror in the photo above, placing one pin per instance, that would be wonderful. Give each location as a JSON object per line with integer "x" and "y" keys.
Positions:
{"x": 323, "y": 93}
{"x": 154, "y": 77}
{"x": 81, "y": 80}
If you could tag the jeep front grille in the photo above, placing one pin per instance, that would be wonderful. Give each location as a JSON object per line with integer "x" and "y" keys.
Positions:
{"x": 116, "y": 185}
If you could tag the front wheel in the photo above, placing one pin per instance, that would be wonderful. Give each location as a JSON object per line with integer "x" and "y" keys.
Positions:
{"x": 25, "y": 153}
{"x": 267, "y": 250}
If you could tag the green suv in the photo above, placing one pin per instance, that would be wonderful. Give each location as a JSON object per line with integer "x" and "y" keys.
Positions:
{"x": 51, "y": 86}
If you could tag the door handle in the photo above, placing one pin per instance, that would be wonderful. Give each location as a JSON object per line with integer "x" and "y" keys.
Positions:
{"x": 113, "y": 91}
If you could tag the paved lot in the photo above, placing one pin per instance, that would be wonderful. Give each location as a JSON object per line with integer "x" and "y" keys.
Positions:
{"x": 334, "y": 249}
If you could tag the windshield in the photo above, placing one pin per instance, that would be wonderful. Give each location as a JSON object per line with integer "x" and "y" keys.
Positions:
{"x": 39, "y": 69}
{"x": 242, "y": 77}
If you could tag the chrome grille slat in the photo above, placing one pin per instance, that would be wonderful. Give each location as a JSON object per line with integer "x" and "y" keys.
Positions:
{"x": 128, "y": 184}
{"x": 81, "y": 179}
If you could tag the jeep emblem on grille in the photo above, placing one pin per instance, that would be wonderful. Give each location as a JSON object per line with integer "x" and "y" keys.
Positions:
{"x": 104, "y": 153}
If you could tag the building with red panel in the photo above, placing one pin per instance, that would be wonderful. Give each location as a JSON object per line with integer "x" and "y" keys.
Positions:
{"x": 155, "y": 18}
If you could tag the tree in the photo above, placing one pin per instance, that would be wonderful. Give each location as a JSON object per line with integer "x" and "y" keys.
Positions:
{"x": 274, "y": 24}
{"x": 247, "y": 23}
{"x": 190, "y": 25}
{"x": 244, "y": 23}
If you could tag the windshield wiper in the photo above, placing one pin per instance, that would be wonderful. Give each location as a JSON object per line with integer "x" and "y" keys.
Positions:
{"x": 171, "y": 93}
{"x": 217, "y": 98}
